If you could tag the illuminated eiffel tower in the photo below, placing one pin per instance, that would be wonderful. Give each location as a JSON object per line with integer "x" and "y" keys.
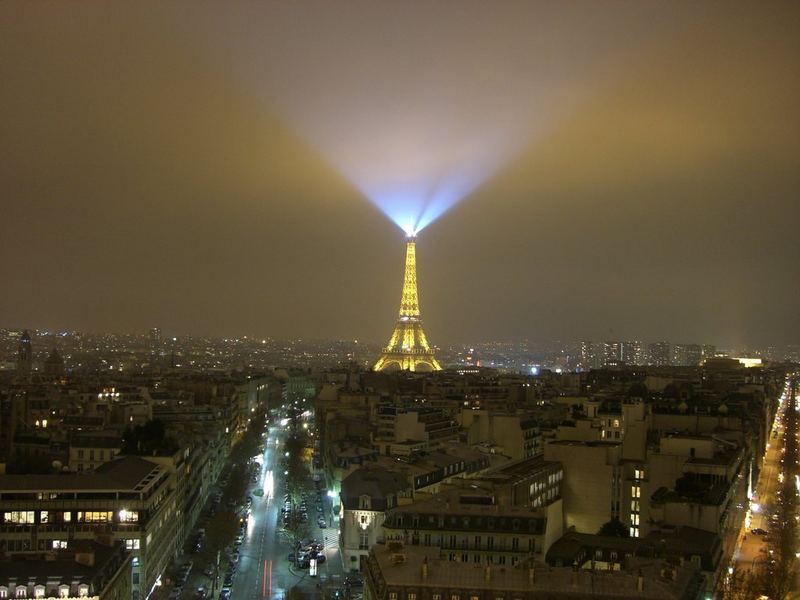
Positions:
{"x": 408, "y": 347}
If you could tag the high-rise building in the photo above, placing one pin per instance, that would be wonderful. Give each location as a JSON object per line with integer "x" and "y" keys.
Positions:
{"x": 155, "y": 338}
{"x": 634, "y": 353}
{"x": 612, "y": 352}
{"x": 591, "y": 355}
{"x": 408, "y": 347}
{"x": 24, "y": 357}
{"x": 659, "y": 354}
{"x": 708, "y": 351}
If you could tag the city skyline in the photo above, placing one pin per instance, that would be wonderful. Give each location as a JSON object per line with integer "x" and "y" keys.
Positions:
{"x": 164, "y": 180}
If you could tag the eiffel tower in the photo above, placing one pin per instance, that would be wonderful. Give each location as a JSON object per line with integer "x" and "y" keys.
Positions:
{"x": 408, "y": 347}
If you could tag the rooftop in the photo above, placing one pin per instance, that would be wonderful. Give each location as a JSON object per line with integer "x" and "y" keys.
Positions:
{"x": 126, "y": 473}
{"x": 402, "y": 566}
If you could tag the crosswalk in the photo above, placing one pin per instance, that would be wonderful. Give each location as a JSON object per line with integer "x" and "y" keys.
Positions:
{"x": 330, "y": 537}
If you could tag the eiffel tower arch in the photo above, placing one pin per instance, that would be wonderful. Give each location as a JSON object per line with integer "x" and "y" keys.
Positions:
{"x": 408, "y": 348}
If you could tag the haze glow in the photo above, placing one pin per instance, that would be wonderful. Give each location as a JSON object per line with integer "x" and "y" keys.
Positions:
{"x": 445, "y": 95}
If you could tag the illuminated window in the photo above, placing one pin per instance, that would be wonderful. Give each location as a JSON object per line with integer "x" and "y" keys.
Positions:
{"x": 128, "y": 516}
{"x": 412, "y": 596}
{"x": 19, "y": 517}
{"x": 96, "y": 516}
{"x": 59, "y": 544}
{"x": 38, "y": 591}
{"x": 83, "y": 591}
{"x": 44, "y": 517}
{"x": 392, "y": 595}
{"x": 3, "y": 592}
{"x": 634, "y": 506}
{"x": 636, "y": 491}
{"x": 22, "y": 592}
{"x": 63, "y": 591}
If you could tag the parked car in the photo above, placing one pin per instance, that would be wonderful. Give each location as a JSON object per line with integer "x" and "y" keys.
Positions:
{"x": 759, "y": 531}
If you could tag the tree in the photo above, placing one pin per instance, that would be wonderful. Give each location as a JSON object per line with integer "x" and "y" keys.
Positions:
{"x": 220, "y": 531}
{"x": 742, "y": 584}
{"x": 614, "y": 528}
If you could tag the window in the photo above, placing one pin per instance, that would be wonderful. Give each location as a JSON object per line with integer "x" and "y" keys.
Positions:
{"x": 44, "y": 517}
{"x": 38, "y": 591}
{"x": 426, "y": 539}
{"x": 21, "y": 591}
{"x": 128, "y": 516}
{"x": 477, "y": 542}
{"x": 97, "y": 516}
{"x": 3, "y": 592}
{"x": 83, "y": 591}
{"x": 490, "y": 543}
{"x": 455, "y": 597}
{"x": 436, "y": 597}
{"x": 363, "y": 540}
{"x": 59, "y": 544}
{"x": 392, "y": 595}
{"x": 19, "y": 517}
{"x": 132, "y": 544}
{"x": 474, "y": 598}
{"x": 515, "y": 544}
{"x": 636, "y": 491}
{"x": 634, "y": 506}
{"x": 412, "y": 596}
{"x": 63, "y": 591}
{"x": 80, "y": 453}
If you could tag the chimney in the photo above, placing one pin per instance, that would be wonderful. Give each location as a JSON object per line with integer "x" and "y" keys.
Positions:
{"x": 487, "y": 573}
{"x": 425, "y": 569}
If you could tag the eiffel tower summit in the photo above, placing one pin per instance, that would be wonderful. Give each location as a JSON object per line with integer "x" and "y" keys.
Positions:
{"x": 408, "y": 347}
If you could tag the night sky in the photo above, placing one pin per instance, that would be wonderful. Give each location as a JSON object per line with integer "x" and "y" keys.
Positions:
{"x": 599, "y": 170}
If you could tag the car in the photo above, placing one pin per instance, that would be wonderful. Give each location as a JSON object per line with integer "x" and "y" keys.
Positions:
{"x": 201, "y": 594}
{"x": 758, "y": 531}
{"x": 320, "y": 558}
{"x": 224, "y": 594}
{"x": 354, "y": 580}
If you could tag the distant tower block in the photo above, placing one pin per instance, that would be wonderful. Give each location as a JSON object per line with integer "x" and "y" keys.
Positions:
{"x": 24, "y": 357}
{"x": 408, "y": 348}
